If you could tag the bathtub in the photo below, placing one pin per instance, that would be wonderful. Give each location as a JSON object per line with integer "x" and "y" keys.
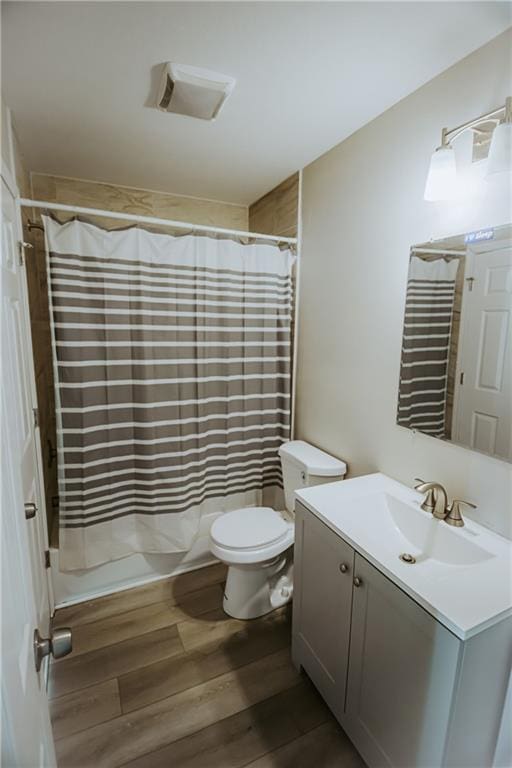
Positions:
{"x": 133, "y": 571}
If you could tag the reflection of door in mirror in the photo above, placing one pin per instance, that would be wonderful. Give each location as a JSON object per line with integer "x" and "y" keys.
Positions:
{"x": 483, "y": 397}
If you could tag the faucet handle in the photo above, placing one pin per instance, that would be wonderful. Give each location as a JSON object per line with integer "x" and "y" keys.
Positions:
{"x": 429, "y": 502}
{"x": 454, "y": 516}
{"x": 467, "y": 503}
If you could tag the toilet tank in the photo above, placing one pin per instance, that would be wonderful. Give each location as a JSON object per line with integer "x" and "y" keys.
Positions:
{"x": 304, "y": 465}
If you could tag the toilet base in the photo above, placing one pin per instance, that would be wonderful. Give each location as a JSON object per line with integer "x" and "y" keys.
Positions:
{"x": 253, "y": 591}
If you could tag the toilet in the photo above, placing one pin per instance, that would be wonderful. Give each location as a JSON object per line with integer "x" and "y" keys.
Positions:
{"x": 256, "y": 542}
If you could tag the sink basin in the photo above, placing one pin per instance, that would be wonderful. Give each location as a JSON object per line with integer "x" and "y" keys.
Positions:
{"x": 408, "y": 528}
{"x": 462, "y": 576}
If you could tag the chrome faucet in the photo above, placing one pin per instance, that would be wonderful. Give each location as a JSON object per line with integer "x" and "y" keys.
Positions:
{"x": 436, "y": 500}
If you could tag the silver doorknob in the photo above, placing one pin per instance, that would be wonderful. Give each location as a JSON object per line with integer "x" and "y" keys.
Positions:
{"x": 343, "y": 567}
{"x": 58, "y": 644}
{"x": 357, "y": 581}
{"x": 30, "y": 510}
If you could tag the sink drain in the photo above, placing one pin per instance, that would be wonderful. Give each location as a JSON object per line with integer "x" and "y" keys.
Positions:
{"x": 407, "y": 558}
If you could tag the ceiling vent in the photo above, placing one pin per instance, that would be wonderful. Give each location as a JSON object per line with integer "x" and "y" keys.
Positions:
{"x": 193, "y": 91}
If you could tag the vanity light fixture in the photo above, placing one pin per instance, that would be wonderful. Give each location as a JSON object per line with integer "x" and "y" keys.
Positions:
{"x": 500, "y": 152}
{"x": 442, "y": 176}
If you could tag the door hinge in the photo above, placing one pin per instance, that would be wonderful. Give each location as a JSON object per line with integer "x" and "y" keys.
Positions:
{"x": 461, "y": 378}
{"x": 470, "y": 281}
{"x": 47, "y": 562}
{"x": 52, "y": 453}
{"x": 35, "y": 411}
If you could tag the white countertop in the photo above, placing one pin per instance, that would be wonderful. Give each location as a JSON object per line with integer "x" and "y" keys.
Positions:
{"x": 466, "y": 598}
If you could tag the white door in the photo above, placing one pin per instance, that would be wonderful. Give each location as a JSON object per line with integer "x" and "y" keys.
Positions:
{"x": 26, "y": 732}
{"x": 484, "y": 393}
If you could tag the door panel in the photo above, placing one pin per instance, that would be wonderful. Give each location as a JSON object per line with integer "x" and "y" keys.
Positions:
{"x": 25, "y": 715}
{"x": 322, "y": 606}
{"x": 26, "y": 431}
{"x": 25, "y": 602}
{"x": 401, "y": 675}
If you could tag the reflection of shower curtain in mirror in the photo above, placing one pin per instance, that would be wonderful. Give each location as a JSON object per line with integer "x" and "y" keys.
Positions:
{"x": 426, "y": 344}
{"x": 172, "y": 380}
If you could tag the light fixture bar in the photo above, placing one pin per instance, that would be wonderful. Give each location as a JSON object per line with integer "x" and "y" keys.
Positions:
{"x": 448, "y": 135}
{"x": 444, "y": 251}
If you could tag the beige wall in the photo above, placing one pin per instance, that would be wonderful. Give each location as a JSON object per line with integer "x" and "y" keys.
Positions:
{"x": 276, "y": 213}
{"x": 362, "y": 209}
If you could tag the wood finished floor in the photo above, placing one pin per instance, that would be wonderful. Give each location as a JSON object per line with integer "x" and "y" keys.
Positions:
{"x": 160, "y": 677}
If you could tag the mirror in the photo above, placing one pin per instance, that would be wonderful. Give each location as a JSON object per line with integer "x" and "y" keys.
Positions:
{"x": 456, "y": 366}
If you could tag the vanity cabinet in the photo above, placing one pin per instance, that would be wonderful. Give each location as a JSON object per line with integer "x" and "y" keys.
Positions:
{"x": 401, "y": 674}
{"x": 408, "y": 692}
{"x": 322, "y": 607}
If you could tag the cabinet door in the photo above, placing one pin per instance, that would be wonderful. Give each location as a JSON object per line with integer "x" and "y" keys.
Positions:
{"x": 321, "y": 606}
{"x": 402, "y": 671}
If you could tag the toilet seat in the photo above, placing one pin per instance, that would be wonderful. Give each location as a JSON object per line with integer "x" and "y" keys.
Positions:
{"x": 250, "y": 535}
{"x": 248, "y": 528}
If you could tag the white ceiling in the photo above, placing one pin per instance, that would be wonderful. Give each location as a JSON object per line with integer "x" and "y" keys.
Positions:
{"x": 79, "y": 77}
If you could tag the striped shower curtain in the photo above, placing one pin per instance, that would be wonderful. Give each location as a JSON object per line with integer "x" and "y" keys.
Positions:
{"x": 427, "y": 333}
{"x": 172, "y": 383}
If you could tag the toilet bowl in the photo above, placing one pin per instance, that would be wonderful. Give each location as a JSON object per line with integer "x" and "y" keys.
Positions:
{"x": 256, "y": 542}
{"x": 252, "y": 542}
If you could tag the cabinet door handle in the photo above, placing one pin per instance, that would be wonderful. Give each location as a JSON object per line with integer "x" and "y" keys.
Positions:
{"x": 343, "y": 567}
{"x": 357, "y": 581}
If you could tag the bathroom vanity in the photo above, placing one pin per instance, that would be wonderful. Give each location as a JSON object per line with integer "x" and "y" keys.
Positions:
{"x": 413, "y": 658}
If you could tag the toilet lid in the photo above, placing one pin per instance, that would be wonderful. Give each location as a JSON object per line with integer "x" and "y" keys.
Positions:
{"x": 248, "y": 528}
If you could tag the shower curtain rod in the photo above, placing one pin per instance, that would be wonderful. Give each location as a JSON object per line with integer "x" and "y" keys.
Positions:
{"x": 26, "y": 203}
{"x": 445, "y": 251}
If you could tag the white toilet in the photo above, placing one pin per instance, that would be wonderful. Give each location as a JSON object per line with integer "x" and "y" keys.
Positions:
{"x": 255, "y": 542}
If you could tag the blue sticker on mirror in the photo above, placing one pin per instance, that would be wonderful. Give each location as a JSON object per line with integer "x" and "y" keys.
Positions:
{"x": 479, "y": 235}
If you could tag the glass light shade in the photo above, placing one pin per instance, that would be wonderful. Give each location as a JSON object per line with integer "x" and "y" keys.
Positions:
{"x": 442, "y": 175}
{"x": 500, "y": 151}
